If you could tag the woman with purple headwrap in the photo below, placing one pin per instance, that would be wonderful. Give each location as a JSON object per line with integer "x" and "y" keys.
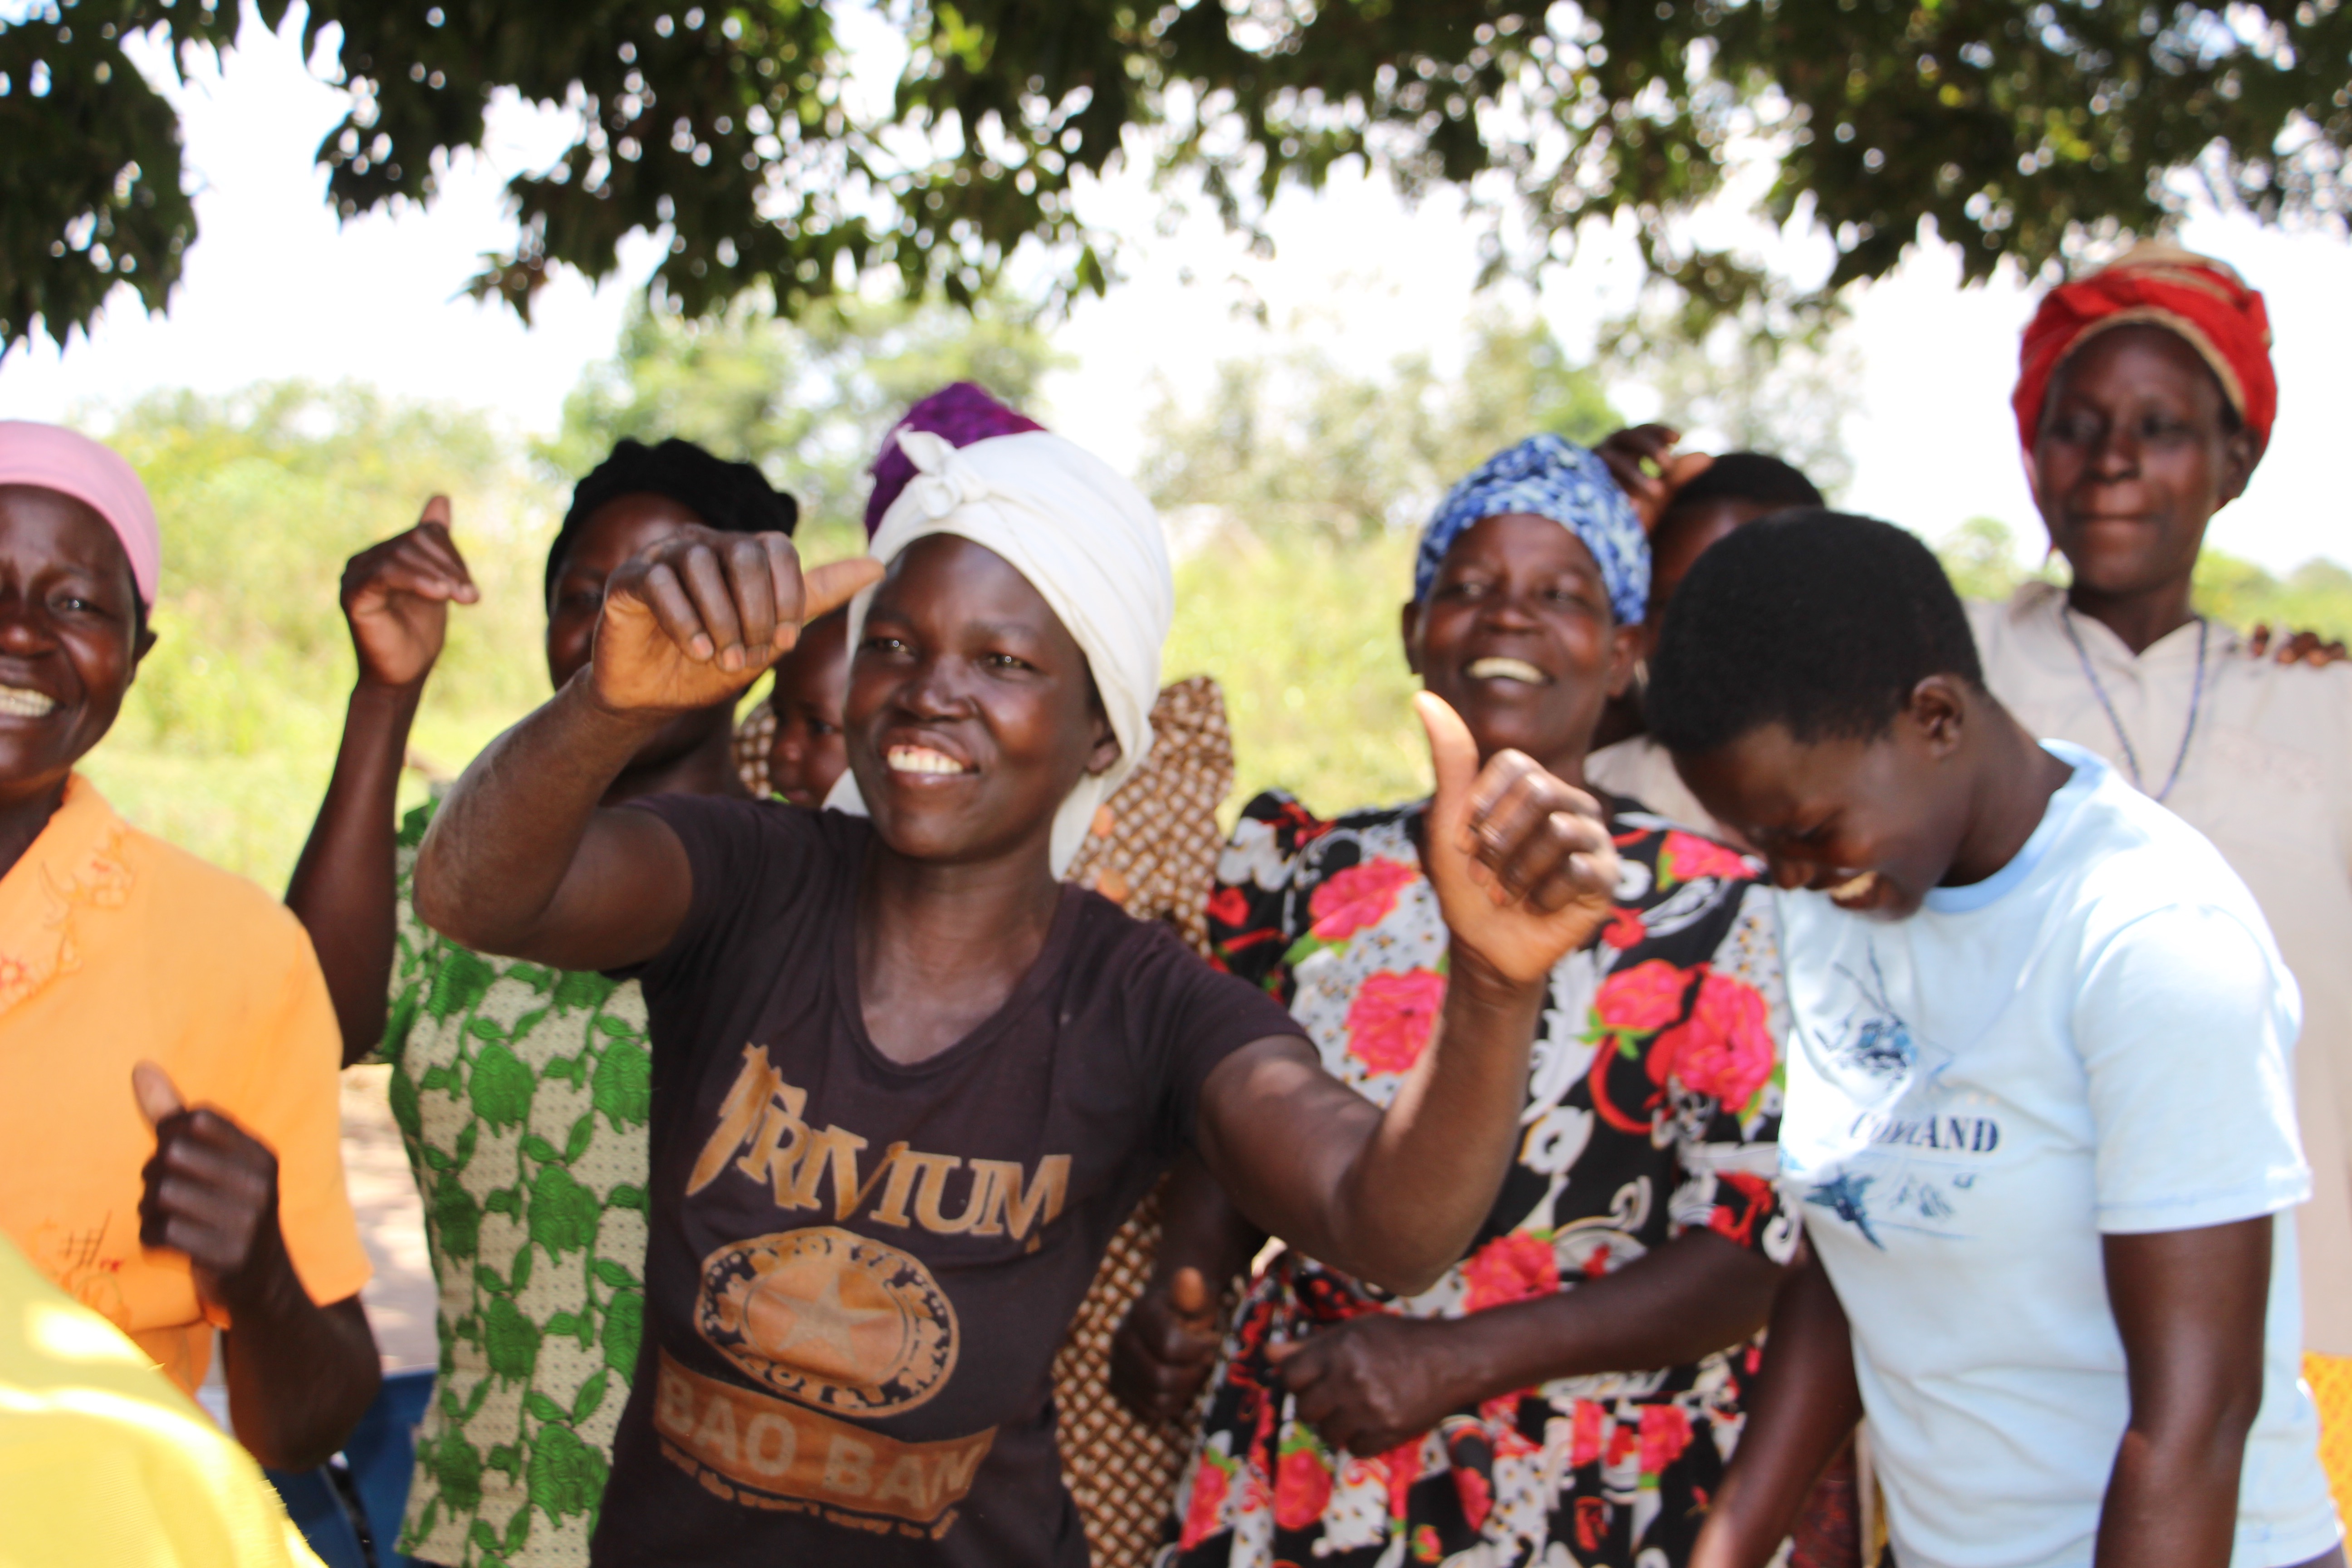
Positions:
{"x": 791, "y": 744}
{"x": 1565, "y": 1392}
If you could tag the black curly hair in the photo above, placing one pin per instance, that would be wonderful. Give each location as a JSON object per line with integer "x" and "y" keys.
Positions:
{"x": 1757, "y": 477}
{"x": 734, "y": 498}
{"x": 1819, "y": 621}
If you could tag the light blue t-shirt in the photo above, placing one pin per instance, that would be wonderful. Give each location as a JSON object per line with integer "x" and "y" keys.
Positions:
{"x": 2094, "y": 1040}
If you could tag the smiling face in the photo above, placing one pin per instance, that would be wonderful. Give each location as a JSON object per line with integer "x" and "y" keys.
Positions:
{"x": 1518, "y": 636}
{"x": 809, "y": 751}
{"x": 613, "y": 533}
{"x": 1872, "y": 823}
{"x": 972, "y": 711}
{"x": 69, "y": 637}
{"x": 2133, "y": 459}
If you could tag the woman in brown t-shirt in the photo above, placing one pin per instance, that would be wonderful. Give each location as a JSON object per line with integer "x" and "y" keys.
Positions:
{"x": 905, "y": 1084}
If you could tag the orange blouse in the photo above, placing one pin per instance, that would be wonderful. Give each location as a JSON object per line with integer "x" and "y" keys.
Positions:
{"x": 116, "y": 947}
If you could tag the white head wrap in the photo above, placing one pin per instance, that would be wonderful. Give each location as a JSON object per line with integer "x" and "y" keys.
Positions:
{"x": 1086, "y": 542}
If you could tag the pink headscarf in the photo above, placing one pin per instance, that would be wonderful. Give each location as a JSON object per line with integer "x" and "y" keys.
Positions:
{"x": 57, "y": 458}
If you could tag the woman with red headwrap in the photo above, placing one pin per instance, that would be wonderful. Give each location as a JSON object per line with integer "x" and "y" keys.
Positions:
{"x": 2144, "y": 401}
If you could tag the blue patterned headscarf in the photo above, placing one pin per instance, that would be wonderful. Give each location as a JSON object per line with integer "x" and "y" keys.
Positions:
{"x": 1544, "y": 475}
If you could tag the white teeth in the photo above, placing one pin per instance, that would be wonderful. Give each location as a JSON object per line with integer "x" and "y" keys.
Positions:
{"x": 921, "y": 759}
{"x": 17, "y": 702}
{"x": 1516, "y": 669}
{"x": 1854, "y": 888}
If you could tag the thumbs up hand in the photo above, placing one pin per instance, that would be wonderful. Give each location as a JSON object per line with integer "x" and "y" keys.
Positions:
{"x": 695, "y": 619}
{"x": 1163, "y": 1350}
{"x": 1522, "y": 863}
{"x": 210, "y": 1192}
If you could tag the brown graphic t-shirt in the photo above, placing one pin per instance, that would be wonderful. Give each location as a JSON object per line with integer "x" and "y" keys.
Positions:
{"x": 859, "y": 1271}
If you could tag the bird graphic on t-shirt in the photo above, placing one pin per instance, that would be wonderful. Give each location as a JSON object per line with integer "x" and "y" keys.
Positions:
{"x": 1841, "y": 1196}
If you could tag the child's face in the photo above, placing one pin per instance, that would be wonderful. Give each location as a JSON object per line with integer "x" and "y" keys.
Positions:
{"x": 807, "y": 755}
{"x": 1875, "y": 824}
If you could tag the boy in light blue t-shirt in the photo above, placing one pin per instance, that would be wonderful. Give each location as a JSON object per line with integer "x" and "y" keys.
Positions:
{"x": 2040, "y": 1111}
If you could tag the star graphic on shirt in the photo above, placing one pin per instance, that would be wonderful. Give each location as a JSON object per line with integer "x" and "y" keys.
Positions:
{"x": 829, "y": 1321}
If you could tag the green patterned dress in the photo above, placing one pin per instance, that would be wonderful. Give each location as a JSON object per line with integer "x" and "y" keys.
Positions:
{"x": 521, "y": 1093}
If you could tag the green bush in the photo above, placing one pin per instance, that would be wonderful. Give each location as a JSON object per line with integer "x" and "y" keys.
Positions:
{"x": 228, "y": 736}
{"x": 229, "y": 733}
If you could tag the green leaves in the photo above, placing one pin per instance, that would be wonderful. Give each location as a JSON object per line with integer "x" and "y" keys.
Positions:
{"x": 563, "y": 1213}
{"x": 624, "y": 1321}
{"x": 402, "y": 1096}
{"x": 458, "y": 1467}
{"x": 566, "y": 1475}
{"x": 580, "y": 988}
{"x": 591, "y": 1397}
{"x": 460, "y": 983}
{"x": 2016, "y": 129}
{"x": 91, "y": 191}
{"x": 501, "y": 1089}
{"x": 623, "y": 1086}
{"x": 510, "y": 1340}
{"x": 457, "y": 1218}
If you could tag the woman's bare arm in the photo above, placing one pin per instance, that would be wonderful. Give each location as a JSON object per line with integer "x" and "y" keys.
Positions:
{"x": 1806, "y": 1404}
{"x": 1524, "y": 871}
{"x": 521, "y": 860}
{"x": 2189, "y": 1305}
{"x": 396, "y": 598}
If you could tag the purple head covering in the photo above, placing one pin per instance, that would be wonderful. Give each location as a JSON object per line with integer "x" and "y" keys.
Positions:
{"x": 960, "y": 413}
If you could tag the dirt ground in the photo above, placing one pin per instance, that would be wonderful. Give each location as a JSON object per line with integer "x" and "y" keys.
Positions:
{"x": 399, "y": 1300}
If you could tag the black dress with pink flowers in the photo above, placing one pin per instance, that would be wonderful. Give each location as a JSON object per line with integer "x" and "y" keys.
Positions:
{"x": 1653, "y": 1107}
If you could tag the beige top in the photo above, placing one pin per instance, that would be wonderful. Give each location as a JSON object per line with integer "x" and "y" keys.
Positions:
{"x": 1640, "y": 770}
{"x": 2268, "y": 778}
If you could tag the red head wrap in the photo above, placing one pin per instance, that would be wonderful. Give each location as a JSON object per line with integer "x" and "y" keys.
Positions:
{"x": 2195, "y": 297}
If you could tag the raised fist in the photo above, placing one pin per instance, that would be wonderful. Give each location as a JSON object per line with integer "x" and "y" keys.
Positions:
{"x": 396, "y": 597}
{"x": 1640, "y": 459}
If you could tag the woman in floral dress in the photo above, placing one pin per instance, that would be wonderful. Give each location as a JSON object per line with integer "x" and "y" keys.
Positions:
{"x": 1570, "y": 1391}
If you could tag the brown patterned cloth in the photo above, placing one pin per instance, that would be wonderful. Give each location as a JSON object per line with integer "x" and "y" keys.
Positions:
{"x": 1154, "y": 847}
{"x": 1153, "y": 851}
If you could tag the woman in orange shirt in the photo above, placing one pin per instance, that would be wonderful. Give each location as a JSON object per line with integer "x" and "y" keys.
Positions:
{"x": 212, "y": 1198}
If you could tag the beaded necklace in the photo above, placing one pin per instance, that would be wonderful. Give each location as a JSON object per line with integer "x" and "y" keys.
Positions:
{"x": 2195, "y": 702}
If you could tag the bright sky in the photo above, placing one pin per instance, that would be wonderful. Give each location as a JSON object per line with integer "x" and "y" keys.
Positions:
{"x": 274, "y": 287}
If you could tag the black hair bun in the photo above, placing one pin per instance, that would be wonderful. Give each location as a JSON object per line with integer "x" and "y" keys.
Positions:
{"x": 734, "y": 498}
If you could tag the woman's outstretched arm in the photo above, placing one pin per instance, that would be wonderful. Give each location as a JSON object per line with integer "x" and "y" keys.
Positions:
{"x": 521, "y": 860}
{"x": 1523, "y": 870}
{"x": 1807, "y": 1404}
{"x": 1374, "y": 1382}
